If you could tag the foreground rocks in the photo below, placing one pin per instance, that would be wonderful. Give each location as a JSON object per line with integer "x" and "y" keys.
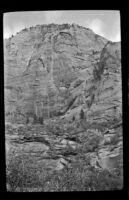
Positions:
{"x": 57, "y": 151}
{"x": 46, "y": 150}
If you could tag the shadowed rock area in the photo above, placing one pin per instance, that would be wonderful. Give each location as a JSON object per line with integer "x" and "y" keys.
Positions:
{"x": 63, "y": 103}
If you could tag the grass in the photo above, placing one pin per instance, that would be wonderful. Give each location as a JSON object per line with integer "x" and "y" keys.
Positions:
{"x": 79, "y": 177}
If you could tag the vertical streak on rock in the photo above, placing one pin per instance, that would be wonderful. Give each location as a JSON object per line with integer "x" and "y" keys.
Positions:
{"x": 36, "y": 110}
{"x": 42, "y": 108}
{"x": 48, "y": 104}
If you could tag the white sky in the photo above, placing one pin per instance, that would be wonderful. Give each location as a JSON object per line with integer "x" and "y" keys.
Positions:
{"x": 105, "y": 23}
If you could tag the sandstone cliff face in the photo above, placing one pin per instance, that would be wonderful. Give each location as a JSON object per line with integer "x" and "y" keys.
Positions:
{"x": 59, "y": 74}
{"x": 60, "y": 69}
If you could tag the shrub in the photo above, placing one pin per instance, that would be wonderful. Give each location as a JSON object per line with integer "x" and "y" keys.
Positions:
{"x": 22, "y": 172}
{"x": 73, "y": 118}
{"x": 90, "y": 141}
{"x": 115, "y": 139}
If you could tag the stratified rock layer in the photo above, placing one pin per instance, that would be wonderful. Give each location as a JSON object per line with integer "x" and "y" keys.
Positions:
{"x": 52, "y": 69}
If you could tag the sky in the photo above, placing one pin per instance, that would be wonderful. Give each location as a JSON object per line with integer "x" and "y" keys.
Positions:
{"x": 103, "y": 22}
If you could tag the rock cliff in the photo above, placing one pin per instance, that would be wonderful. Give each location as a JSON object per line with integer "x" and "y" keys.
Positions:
{"x": 64, "y": 72}
{"x": 52, "y": 69}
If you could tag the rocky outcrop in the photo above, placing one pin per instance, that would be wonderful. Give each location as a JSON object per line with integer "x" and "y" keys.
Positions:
{"x": 48, "y": 150}
{"x": 55, "y": 150}
{"x": 109, "y": 154}
{"x": 101, "y": 96}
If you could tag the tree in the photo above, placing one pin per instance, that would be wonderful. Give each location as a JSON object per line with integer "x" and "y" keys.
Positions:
{"x": 41, "y": 120}
{"x": 73, "y": 118}
{"x": 27, "y": 120}
{"x": 82, "y": 114}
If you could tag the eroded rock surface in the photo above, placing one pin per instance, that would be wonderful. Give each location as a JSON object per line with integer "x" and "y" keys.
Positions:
{"x": 50, "y": 70}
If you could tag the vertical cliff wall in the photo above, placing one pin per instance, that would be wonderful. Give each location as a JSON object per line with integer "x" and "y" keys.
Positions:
{"x": 52, "y": 69}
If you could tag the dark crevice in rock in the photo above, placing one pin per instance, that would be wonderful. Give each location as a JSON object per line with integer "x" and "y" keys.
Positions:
{"x": 26, "y": 139}
{"x": 70, "y": 104}
{"x": 79, "y": 58}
